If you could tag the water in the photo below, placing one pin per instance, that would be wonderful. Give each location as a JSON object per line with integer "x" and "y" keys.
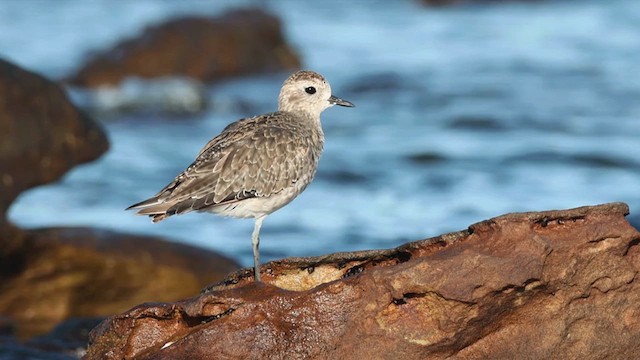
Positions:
{"x": 462, "y": 114}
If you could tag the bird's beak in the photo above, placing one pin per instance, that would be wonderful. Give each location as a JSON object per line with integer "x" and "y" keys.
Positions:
{"x": 337, "y": 101}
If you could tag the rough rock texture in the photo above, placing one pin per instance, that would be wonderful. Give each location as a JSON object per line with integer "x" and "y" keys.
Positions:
{"x": 49, "y": 275}
{"x": 207, "y": 49}
{"x": 547, "y": 285}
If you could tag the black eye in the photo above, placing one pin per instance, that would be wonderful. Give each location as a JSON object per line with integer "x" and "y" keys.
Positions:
{"x": 310, "y": 90}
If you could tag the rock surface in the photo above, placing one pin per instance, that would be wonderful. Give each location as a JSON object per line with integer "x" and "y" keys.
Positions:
{"x": 42, "y": 135}
{"x": 208, "y": 49}
{"x": 555, "y": 284}
{"x": 81, "y": 272}
{"x": 49, "y": 275}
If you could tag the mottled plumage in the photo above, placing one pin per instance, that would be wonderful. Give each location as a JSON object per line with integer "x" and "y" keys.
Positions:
{"x": 256, "y": 165}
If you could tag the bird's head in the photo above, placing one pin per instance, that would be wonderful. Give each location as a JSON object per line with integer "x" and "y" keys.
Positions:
{"x": 307, "y": 91}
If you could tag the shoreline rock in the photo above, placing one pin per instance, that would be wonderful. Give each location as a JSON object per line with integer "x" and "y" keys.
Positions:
{"x": 84, "y": 272}
{"x": 553, "y": 284}
{"x": 207, "y": 49}
{"x": 49, "y": 275}
{"x": 43, "y": 134}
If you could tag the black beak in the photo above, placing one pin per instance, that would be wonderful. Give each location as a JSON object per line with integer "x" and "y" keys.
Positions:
{"x": 337, "y": 101}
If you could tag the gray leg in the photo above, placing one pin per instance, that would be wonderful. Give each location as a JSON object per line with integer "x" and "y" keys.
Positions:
{"x": 255, "y": 239}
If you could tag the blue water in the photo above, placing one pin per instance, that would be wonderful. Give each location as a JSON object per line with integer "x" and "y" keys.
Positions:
{"x": 463, "y": 113}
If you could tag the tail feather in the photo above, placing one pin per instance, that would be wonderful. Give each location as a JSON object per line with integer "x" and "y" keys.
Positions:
{"x": 145, "y": 203}
{"x": 155, "y": 208}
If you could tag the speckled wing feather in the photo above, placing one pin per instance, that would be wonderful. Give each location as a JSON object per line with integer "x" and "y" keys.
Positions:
{"x": 255, "y": 157}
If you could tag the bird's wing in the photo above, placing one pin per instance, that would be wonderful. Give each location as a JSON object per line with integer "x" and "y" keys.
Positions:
{"x": 254, "y": 158}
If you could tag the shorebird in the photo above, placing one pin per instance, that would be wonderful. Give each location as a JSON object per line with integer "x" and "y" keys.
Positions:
{"x": 255, "y": 165}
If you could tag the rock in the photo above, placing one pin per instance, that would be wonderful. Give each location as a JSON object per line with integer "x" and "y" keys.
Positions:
{"x": 208, "y": 49}
{"x": 545, "y": 285}
{"x": 42, "y": 135}
{"x": 49, "y": 275}
{"x": 81, "y": 272}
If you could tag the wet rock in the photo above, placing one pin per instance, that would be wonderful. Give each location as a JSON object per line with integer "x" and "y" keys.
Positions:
{"x": 208, "y": 49}
{"x": 554, "y": 284}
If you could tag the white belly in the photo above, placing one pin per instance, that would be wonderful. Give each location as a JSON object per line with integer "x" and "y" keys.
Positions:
{"x": 259, "y": 206}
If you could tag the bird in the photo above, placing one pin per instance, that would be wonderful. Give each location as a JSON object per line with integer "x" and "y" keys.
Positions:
{"x": 256, "y": 165}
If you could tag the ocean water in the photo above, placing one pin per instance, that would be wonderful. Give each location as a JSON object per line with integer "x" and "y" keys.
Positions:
{"x": 463, "y": 113}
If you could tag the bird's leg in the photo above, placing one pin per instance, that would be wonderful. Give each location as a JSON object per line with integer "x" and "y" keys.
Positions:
{"x": 255, "y": 239}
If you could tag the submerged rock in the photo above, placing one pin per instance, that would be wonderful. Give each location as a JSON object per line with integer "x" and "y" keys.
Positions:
{"x": 207, "y": 49}
{"x": 554, "y": 284}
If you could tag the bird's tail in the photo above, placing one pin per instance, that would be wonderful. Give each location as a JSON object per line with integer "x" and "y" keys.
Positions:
{"x": 153, "y": 207}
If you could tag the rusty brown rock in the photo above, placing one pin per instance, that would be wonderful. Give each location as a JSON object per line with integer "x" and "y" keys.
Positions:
{"x": 208, "y": 49}
{"x": 555, "y": 284}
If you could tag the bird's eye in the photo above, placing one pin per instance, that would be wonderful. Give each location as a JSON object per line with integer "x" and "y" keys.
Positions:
{"x": 310, "y": 90}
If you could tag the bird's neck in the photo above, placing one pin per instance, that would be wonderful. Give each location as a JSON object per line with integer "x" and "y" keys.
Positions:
{"x": 304, "y": 116}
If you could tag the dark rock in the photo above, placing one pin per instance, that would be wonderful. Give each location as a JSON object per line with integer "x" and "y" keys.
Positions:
{"x": 42, "y": 135}
{"x": 208, "y": 49}
{"x": 544, "y": 285}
